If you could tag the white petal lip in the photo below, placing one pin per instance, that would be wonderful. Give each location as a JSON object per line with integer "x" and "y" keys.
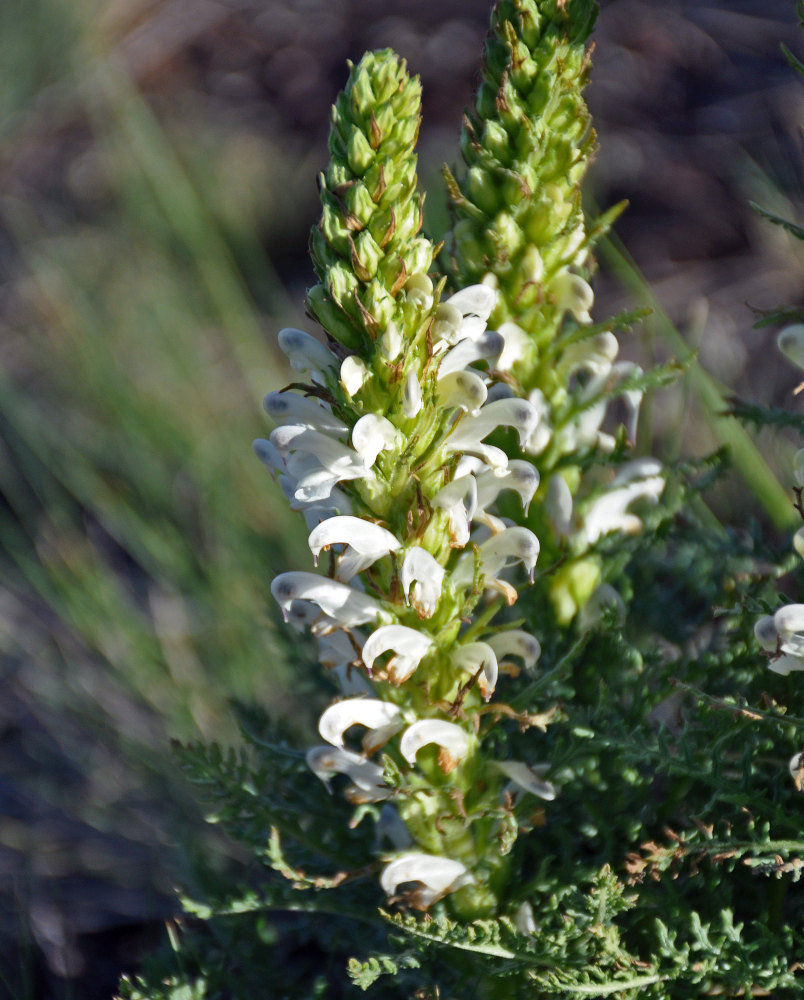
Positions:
{"x": 345, "y": 604}
{"x": 445, "y": 734}
{"x": 331, "y": 454}
{"x": 372, "y": 713}
{"x": 439, "y": 875}
{"x": 407, "y": 642}
{"x": 516, "y": 642}
{"x": 524, "y": 777}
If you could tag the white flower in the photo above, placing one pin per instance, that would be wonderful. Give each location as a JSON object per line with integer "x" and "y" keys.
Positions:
{"x": 344, "y": 604}
{"x": 475, "y": 304}
{"x": 391, "y": 342}
{"x": 506, "y": 548}
{"x": 558, "y": 505}
{"x": 452, "y": 739}
{"x": 574, "y": 295}
{"x": 419, "y": 291}
{"x": 540, "y": 435}
{"x": 269, "y": 455}
{"x": 354, "y": 374}
{"x": 472, "y": 428}
{"x": 305, "y": 353}
{"x": 410, "y": 646}
{"x": 291, "y": 408}
{"x": 604, "y": 596}
{"x": 789, "y": 624}
{"x": 438, "y": 876}
{"x": 365, "y": 543}
{"x": 422, "y": 579}
{"x": 637, "y": 480}
{"x": 381, "y": 719}
{"x": 489, "y": 345}
{"x": 516, "y": 345}
{"x": 594, "y": 354}
{"x": 463, "y": 389}
{"x": 524, "y": 920}
{"x": 391, "y": 827}
{"x": 459, "y": 499}
{"x": 766, "y": 634}
{"x": 411, "y": 396}
{"x": 515, "y": 642}
{"x": 371, "y": 435}
{"x": 798, "y": 542}
{"x": 526, "y": 778}
{"x": 791, "y": 343}
{"x": 365, "y": 775}
{"x": 480, "y": 660}
{"x": 520, "y": 476}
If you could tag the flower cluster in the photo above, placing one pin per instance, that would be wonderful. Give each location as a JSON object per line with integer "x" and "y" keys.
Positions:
{"x": 520, "y": 228}
{"x": 385, "y": 450}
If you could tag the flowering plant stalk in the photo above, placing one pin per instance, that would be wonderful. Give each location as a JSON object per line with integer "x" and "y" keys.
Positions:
{"x": 599, "y": 818}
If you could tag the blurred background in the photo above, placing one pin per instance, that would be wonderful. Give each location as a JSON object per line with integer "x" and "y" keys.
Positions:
{"x": 157, "y": 177}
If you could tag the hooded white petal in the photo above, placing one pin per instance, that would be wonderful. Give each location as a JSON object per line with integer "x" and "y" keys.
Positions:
{"x": 478, "y": 659}
{"x": 516, "y": 642}
{"x": 463, "y": 389}
{"x": 610, "y": 511}
{"x": 791, "y": 343}
{"x": 437, "y": 875}
{"x": 520, "y": 476}
{"x": 472, "y": 428}
{"x": 459, "y": 499}
{"x": 367, "y": 776}
{"x": 410, "y": 646}
{"x": 574, "y": 295}
{"x": 365, "y": 543}
{"x": 419, "y": 291}
{"x": 345, "y": 604}
{"x": 789, "y": 624}
{"x": 305, "y": 353}
{"x": 451, "y": 738}
{"x": 766, "y": 634}
{"x": 422, "y": 579}
{"x": 371, "y": 435}
{"x": 291, "y": 408}
{"x": 516, "y": 345}
{"x": 526, "y": 779}
{"x": 377, "y": 716}
{"x": 487, "y": 347}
